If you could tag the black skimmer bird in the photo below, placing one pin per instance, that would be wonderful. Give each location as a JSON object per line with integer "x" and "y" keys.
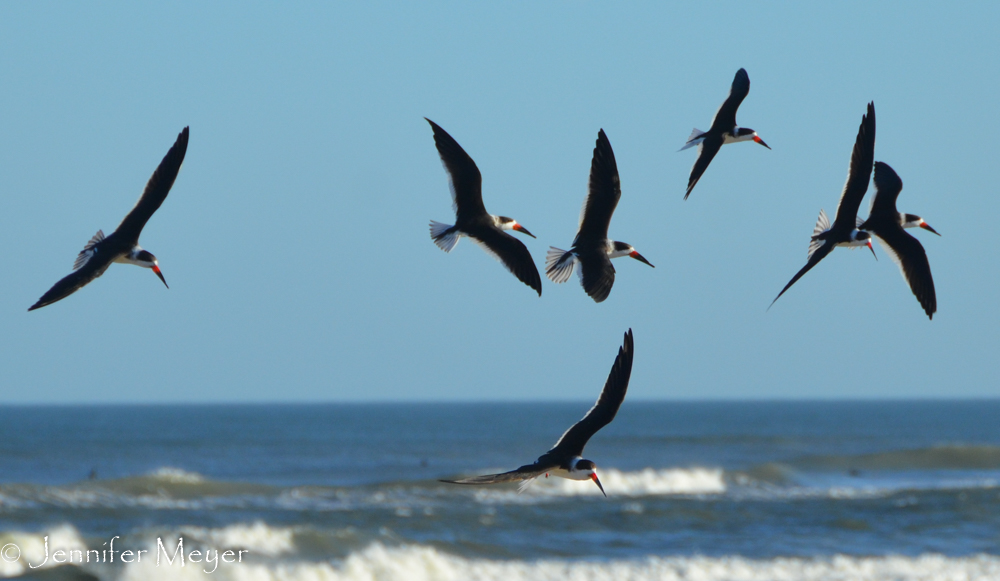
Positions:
{"x": 723, "y": 131}
{"x": 471, "y": 217}
{"x": 122, "y": 245}
{"x": 844, "y": 232}
{"x": 591, "y": 247}
{"x": 564, "y": 459}
{"x": 887, "y": 223}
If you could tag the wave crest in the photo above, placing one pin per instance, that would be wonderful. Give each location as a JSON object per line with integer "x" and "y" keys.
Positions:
{"x": 421, "y": 562}
{"x": 176, "y": 475}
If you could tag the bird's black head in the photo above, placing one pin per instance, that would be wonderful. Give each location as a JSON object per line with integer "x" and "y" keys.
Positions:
{"x": 589, "y": 470}
{"x": 911, "y": 220}
{"x": 625, "y": 249}
{"x": 146, "y": 259}
{"x": 747, "y": 134}
{"x": 145, "y": 256}
{"x": 505, "y": 223}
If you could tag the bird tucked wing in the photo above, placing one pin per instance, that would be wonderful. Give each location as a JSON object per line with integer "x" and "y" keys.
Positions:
{"x": 74, "y": 281}
{"x": 814, "y": 258}
{"x": 604, "y": 191}
{"x": 572, "y": 442}
{"x": 725, "y": 117}
{"x": 907, "y": 252}
{"x": 512, "y": 253}
{"x": 527, "y": 472}
{"x": 887, "y": 188}
{"x": 706, "y": 152}
{"x": 858, "y": 174}
{"x": 156, "y": 191}
{"x": 463, "y": 175}
{"x": 597, "y": 274}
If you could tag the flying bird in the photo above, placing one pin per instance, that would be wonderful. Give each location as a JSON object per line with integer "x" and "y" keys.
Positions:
{"x": 887, "y": 223}
{"x": 723, "y": 131}
{"x": 122, "y": 245}
{"x": 843, "y": 232}
{"x": 564, "y": 459}
{"x": 472, "y": 219}
{"x": 591, "y": 248}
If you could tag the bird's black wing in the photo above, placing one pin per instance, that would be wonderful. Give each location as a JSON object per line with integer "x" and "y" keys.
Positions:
{"x": 887, "y": 188}
{"x": 512, "y": 253}
{"x": 597, "y": 274}
{"x": 706, "y": 151}
{"x": 858, "y": 174}
{"x": 526, "y": 472}
{"x": 463, "y": 176}
{"x": 819, "y": 254}
{"x": 603, "y": 192}
{"x": 74, "y": 281}
{"x": 156, "y": 191}
{"x": 725, "y": 117}
{"x": 572, "y": 442}
{"x": 907, "y": 252}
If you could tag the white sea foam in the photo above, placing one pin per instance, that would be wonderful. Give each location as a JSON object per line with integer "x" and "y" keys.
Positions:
{"x": 176, "y": 475}
{"x": 258, "y": 538}
{"x": 649, "y": 482}
{"x": 418, "y": 563}
{"x": 18, "y": 549}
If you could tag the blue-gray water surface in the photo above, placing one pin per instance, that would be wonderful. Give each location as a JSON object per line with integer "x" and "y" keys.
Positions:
{"x": 733, "y": 490}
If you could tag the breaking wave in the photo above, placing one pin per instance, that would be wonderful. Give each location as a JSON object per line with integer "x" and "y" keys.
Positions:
{"x": 274, "y": 555}
{"x": 378, "y": 562}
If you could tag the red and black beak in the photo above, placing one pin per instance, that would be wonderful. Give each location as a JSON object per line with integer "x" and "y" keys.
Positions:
{"x": 156, "y": 269}
{"x": 872, "y": 248}
{"x": 761, "y": 141}
{"x": 638, "y": 257}
{"x": 597, "y": 481}
{"x": 927, "y": 226}
{"x": 521, "y": 228}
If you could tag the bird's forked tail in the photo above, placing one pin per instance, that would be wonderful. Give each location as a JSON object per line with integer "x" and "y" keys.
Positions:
{"x": 695, "y": 138}
{"x": 822, "y": 225}
{"x": 444, "y": 235}
{"x": 559, "y": 264}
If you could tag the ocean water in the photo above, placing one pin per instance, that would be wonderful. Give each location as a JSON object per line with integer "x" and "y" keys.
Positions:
{"x": 696, "y": 491}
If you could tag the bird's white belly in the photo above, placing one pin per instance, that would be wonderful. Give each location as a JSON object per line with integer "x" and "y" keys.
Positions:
{"x": 561, "y": 473}
{"x": 730, "y": 138}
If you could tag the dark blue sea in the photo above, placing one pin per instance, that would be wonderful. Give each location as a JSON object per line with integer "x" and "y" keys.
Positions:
{"x": 880, "y": 490}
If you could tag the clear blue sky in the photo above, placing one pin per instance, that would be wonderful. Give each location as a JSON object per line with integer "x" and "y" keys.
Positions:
{"x": 295, "y": 239}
